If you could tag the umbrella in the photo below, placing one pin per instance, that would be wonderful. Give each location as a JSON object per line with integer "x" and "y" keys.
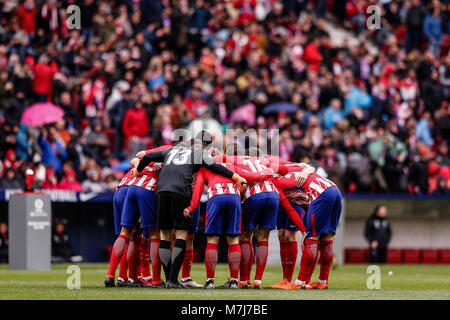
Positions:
{"x": 41, "y": 113}
{"x": 245, "y": 113}
{"x": 280, "y": 107}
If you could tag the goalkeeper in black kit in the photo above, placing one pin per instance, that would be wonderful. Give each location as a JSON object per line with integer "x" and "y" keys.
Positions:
{"x": 174, "y": 193}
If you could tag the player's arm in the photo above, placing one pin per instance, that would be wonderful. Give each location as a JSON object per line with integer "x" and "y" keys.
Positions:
{"x": 304, "y": 174}
{"x": 157, "y": 156}
{"x": 196, "y": 192}
{"x": 253, "y": 177}
{"x": 210, "y": 164}
{"x": 290, "y": 211}
{"x": 134, "y": 163}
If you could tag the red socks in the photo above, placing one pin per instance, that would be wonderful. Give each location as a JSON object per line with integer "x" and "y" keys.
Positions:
{"x": 156, "y": 262}
{"x": 326, "y": 258}
{"x": 252, "y": 258}
{"x": 187, "y": 264}
{"x": 290, "y": 259}
{"x": 283, "y": 257}
{"x": 246, "y": 260}
{"x": 145, "y": 259}
{"x": 123, "y": 270}
{"x": 119, "y": 248}
{"x": 261, "y": 259}
{"x": 133, "y": 259}
{"x": 234, "y": 260}
{"x": 211, "y": 260}
{"x": 309, "y": 260}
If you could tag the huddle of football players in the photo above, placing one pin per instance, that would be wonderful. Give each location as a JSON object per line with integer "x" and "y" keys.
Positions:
{"x": 156, "y": 215}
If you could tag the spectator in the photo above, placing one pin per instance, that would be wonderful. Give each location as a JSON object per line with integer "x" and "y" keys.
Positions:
{"x": 333, "y": 114}
{"x": 53, "y": 152}
{"x": 165, "y": 64}
{"x": 62, "y": 249}
{"x": 378, "y": 234}
{"x": 51, "y": 181}
{"x": 26, "y": 15}
{"x": 135, "y": 128}
{"x": 96, "y": 140}
{"x": 23, "y": 143}
{"x": 69, "y": 182}
{"x": 94, "y": 183}
{"x": 4, "y": 253}
{"x": 433, "y": 30}
{"x": 414, "y": 23}
{"x": 10, "y": 180}
{"x": 44, "y": 71}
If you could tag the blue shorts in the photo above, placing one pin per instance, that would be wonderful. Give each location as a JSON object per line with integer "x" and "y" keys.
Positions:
{"x": 223, "y": 215}
{"x": 260, "y": 210}
{"x": 195, "y": 218}
{"x": 283, "y": 221}
{"x": 139, "y": 202}
{"x": 324, "y": 212}
{"x": 118, "y": 202}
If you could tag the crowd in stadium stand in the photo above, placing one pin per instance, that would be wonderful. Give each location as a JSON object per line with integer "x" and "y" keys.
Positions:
{"x": 375, "y": 122}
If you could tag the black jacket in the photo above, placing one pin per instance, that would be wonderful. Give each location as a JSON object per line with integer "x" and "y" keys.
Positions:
{"x": 378, "y": 229}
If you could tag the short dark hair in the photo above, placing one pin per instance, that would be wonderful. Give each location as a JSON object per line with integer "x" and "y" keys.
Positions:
{"x": 205, "y": 137}
{"x": 234, "y": 149}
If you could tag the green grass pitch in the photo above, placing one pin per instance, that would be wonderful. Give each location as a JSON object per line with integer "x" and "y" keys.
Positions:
{"x": 346, "y": 282}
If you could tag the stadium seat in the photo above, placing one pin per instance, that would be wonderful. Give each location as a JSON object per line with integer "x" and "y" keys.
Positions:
{"x": 430, "y": 256}
{"x": 356, "y": 255}
{"x": 411, "y": 256}
{"x": 394, "y": 256}
{"x": 444, "y": 256}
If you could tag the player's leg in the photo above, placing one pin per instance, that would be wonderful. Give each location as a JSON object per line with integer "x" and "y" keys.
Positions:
{"x": 232, "y": 228}
{"x": 328, "y": 230}
{"x": 145, "y": 278}
{"x": 291, "y": 245}
{"x": 121, "y": 243}
{"x": 291, "y": 253}
{"x": 165, "y": 224}
{"x": 248, "y": 226}
{"x": 318, "y": 213}
{"x": 182, "y": 226}
{"x": 119, "y": 250}
{"x": 165, "y": 251}
{"x": 146, "y": 201}
{"x": 267, "y": 218}
{"x": 261, "y": 256}
{"x": 154, "y": 256}
{"x": 133, "y": 254}
{"x": 186, "y": 279}
{"x": 215, "y": 210}
{"x": 234, "y": 260}
{"x": 211, "y": 259}
{"x": 281, "y": 225}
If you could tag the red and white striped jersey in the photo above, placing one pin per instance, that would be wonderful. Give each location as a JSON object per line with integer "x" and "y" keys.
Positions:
{"x": 255, "y": 165}
{"x": 126, "y": 179}
{"x": 218, "y": 185}
{"x": 314, "y": 185}
{"x": 148, "y": 179}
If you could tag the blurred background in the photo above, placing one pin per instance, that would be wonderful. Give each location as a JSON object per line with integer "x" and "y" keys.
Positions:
{"x": 368, "y": 108}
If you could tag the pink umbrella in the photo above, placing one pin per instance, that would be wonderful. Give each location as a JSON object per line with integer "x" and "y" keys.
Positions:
{"x": 245, "y": 113}
{"x": 41, "y": 113}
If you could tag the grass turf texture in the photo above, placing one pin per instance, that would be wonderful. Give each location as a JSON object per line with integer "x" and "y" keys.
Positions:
{"x": 346, "y": 282}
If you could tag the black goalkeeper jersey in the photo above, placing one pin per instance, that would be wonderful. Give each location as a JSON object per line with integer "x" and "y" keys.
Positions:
{"x": 180, "y": 164}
